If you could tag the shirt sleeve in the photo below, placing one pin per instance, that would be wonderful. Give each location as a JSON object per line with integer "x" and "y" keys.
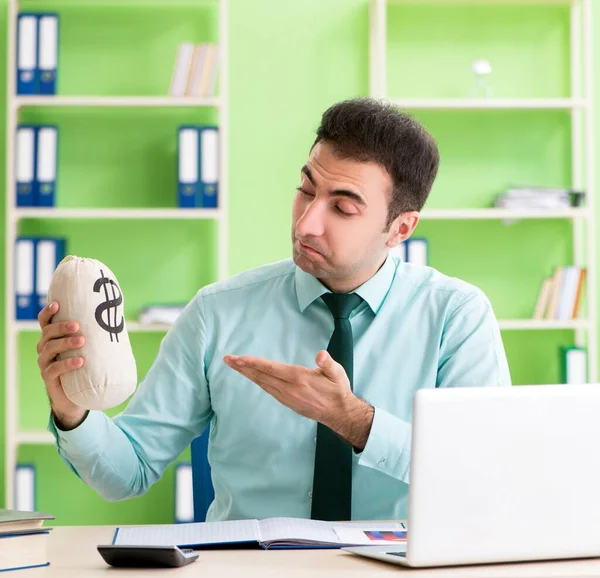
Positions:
{"x": 471, "y": 355}
{"x": 122, "y": 457}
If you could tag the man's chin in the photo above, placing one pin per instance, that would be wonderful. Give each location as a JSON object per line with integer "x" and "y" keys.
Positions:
{"x": 306, "y": 264}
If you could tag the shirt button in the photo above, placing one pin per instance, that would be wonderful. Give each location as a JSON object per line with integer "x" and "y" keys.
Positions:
{"x": 381, "y": 462}
{"x": 315, "y": 440}
{"x": 310, "y": 493}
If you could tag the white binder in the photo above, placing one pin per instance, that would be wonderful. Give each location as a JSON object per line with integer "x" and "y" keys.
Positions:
{"x": 24, "y": 278}
{"x": 25, "y": 165}
{"x": 47, "y": 143}
{"x": 416, "y": 251}
{"x": 27, "y": 36}
{"x": 184, "y": 494}
{"x": 25, "y": 488}
{"x": 46, "y": 259}
{"x": 48, "y": 52}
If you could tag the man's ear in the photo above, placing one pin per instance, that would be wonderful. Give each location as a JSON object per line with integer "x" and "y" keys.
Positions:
{"x": 402, "y": 228}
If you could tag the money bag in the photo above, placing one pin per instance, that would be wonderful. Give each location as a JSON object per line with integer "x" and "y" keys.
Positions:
{"x": 88, "y": 292}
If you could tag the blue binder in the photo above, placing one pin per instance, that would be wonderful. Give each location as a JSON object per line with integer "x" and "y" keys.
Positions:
{"x": 27, "y": 53}
{"x": 208, "y": 186}
{"x": 49, "y": 252}
{"x": 25, "y": 148}
{"x": 46, "y": 166}
{"x": 187, "y": 151}
{"x": 47, "y": 52}
{"x": 24, "y": 276}
{"x": 203, "y": 489}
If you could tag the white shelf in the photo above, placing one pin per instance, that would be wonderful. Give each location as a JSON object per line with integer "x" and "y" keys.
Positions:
{"x": 503, "y": 214}
{"x": 489, "y": 104}
{"x": 52, "y": 213}
{"x": 488, "y": 2}
{"x": 542, "y": 324}
{"x": 34, "y": 437}
{"x": 132, "y": 327}
{"x": 116, "y": 101}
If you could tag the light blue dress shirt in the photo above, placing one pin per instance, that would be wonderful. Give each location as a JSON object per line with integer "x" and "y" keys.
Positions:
{"x": 416, "y": 328}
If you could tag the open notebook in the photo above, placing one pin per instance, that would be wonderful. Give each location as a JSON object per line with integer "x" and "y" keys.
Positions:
{"x": 267, "y": 533}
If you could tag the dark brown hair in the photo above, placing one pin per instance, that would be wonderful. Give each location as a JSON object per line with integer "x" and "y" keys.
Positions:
{"x": 369, "y": 130}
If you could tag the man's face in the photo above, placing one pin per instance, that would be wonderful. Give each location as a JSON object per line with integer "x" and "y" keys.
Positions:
{"x": 339, "y": 219}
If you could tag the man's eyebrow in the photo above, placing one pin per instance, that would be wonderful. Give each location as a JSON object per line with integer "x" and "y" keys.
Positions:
{"x": 337, "y": 192}
{"x": 308, "y": 174}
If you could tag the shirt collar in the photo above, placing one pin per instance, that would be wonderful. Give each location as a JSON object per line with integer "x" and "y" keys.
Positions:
{"x": 373, "y": 291}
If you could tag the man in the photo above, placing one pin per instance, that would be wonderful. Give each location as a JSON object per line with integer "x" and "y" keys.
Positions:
{"x": 305, "y": 370}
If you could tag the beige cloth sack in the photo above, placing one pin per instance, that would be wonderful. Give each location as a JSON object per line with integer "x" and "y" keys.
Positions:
{"x": 87, "y": 292}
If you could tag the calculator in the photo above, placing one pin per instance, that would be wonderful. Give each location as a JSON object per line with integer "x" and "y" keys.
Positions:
{"x": 124, "y": 556}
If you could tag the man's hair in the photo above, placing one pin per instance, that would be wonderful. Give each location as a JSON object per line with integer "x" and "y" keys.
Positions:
{"x": 369, "y": 130}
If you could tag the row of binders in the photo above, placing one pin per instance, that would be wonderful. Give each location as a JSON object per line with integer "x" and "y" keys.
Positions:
{"x": 35, "y": 165}
{"x": 196, "y": 70}
{"x": 36, "y": 259}
{"x": 37, "y": 53}
{"x": 561, "y": 294}
{"x": 198, "y": 166}
{"x": 413, "y": 250}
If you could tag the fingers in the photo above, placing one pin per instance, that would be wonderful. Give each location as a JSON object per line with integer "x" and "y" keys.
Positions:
{"x": 55, "y": 346}
{"x": 56, "y": 369}
{"x": 56, "y": 330}
{"x": 45, "y": 315}
{"x": 328, "y": 366}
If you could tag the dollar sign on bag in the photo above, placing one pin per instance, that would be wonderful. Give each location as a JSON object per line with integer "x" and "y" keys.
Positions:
{"x": 109, "y": 306}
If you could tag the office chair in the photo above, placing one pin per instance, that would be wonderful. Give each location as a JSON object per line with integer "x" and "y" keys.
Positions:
{"x": 203, "y": 492}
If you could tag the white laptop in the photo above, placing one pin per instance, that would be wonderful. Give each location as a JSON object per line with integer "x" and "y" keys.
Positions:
{"x": 501, "y": 474}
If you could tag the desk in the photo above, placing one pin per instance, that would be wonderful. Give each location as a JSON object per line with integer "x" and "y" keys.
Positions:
{"x": 73, "y": 554}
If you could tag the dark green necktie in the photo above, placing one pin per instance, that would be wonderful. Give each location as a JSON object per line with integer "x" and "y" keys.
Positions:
{"x": 332, "y": 483}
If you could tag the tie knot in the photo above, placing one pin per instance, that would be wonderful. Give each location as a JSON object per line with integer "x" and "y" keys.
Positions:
{"x": 341, "y": 305}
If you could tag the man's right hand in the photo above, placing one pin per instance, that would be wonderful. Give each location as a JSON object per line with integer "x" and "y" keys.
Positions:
{"x": 57, "y": 338}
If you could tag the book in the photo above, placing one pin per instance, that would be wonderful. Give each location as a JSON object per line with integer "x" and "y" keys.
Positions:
{"x": 23, "y": 539}
{"x": 20, "y": 551}
{"x": 544, "y": 297}
{"x": 270, "y": 533}
{"x": 17, "y": 521}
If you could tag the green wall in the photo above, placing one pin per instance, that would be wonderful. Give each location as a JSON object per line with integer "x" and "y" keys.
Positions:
{"x": 288, "y": 62}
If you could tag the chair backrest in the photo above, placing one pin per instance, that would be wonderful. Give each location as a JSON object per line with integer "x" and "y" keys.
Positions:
{"x": 201, "y": 479}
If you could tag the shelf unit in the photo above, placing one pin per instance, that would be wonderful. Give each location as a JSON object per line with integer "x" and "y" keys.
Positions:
{"x": 489, "y": 104}
{"x": 121, "y": 101}
{"x": 143, "y": 214}
{"x": 578, "y": 105}
{"x": 14, "y": 437}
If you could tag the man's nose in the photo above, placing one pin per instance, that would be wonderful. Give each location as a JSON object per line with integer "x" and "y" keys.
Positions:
{"x": 310, "y": 223}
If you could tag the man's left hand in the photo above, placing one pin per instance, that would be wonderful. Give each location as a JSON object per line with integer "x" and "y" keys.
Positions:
{"x": 322, "y": 394}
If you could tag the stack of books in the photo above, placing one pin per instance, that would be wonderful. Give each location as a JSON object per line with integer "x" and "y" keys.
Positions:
{"x": 23, "y": 539}
{"x": 160, "y": 314}
{"x": 539, "y": 198}
{"x": 560, "y": 295}
{"x": 196, "y": 70}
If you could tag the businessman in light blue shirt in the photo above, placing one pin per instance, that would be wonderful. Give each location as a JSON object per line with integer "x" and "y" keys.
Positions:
{"x": 248, "y": 357}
